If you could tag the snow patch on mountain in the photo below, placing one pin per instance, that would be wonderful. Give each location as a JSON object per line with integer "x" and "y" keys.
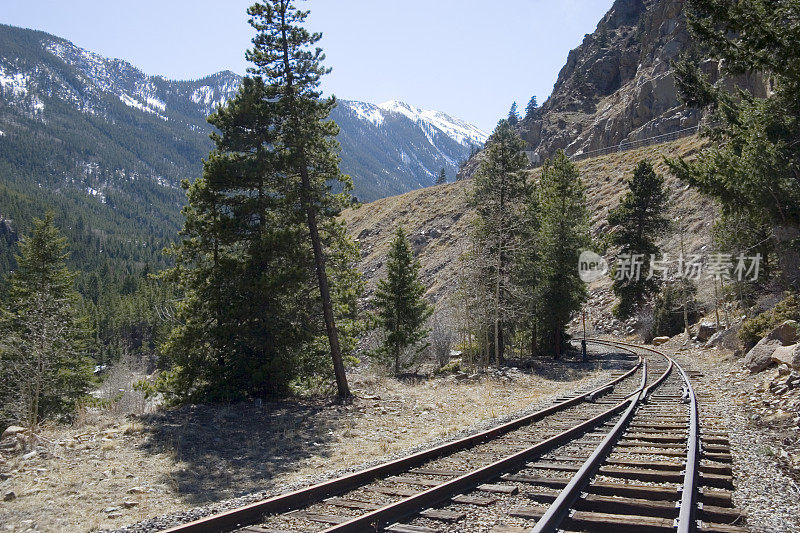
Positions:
{"x": 462, "y": 132}
{"x": 14, "y": 83}
{"x": 365, "y": 111}
{"x": 136, "y": 104}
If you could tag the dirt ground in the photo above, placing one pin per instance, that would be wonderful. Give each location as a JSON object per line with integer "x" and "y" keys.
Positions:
{"x": 104, "y": 472}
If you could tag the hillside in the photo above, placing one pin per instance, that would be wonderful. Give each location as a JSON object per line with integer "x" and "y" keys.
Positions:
{"x": 438, "y": 218}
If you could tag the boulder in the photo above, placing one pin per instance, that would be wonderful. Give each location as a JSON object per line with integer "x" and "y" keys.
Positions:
{"x": 760, "y": 356}
{"x": 658, "y": 341}
{"x": 786, "y": 333}
{"x": 788, "y": 355}
{"x": 705, "y": 331}
{"x": 726, "y": 338}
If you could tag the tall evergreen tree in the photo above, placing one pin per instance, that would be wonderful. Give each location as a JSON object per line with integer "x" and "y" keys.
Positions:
{"x": 498, "y": 191}
{"x": 753, "y": 166}
{"x": 563, "y": 233}
{"x": 532, "y": 108}
{"x": 262, "y": 249}
{"x": 526, "y": 274}
{"x": 43, "y": 360}
{"x": 284, "y": 56}
{"x": 513, "y": 115}
{"x": 401, "y": 307}
{"x": 441, "y": 178}
{"x": 637, "y": 221}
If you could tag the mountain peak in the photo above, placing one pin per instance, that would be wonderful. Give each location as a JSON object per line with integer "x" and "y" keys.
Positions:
{"x": 462, "y": 132}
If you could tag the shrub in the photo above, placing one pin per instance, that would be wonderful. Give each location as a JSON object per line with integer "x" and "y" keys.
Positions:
{"x": 668, "y": 311}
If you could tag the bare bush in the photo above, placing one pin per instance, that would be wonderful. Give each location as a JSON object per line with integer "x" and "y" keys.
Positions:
{"x": 644, "y": 323}
{"x": 441, "y": 340}
{"x": 118, "y": 388}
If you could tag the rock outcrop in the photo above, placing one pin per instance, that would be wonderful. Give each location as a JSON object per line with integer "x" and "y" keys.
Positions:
{"x": 618, "y": 86}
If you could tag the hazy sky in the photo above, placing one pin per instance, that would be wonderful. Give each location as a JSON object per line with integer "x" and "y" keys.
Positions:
{"x": 468, "y": 58}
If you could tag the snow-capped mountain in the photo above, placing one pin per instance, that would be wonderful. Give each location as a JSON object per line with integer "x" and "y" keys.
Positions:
{"x": 108, "y": 122}
{"x": 397, "y": 147}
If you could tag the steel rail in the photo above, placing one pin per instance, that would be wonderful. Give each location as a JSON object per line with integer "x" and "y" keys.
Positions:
{"x": 254, "y": 512}
{"x": 686, "y": 517}
{"x": 560, "y": 508}
{"x": 388, "y": 514}
{"x": 685, "y": 523}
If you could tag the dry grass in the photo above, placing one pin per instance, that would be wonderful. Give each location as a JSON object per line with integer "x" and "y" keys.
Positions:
{"x": 114, "y": 472}
{"x": 443, "y": 209}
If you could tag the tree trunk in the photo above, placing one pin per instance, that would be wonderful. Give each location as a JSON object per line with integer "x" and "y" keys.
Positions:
{"x": 497, "y": 311}
{"x": 557, "y": 342}
{"x": 324, "y": 289}
{"x": 311, "y": 214}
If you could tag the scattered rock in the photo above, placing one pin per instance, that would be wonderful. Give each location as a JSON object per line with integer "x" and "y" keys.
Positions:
{"x": 658, "y": 341}
{"x": 9, "y": 496}
{"x": 705, "y": 331}
{"x": 136, "y": 490}
{"x": 127, "y": 504}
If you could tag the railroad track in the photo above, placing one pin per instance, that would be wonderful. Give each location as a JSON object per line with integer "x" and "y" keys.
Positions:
{"x": 627, "y": 456}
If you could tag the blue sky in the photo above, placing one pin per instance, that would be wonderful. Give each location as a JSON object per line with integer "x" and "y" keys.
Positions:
{"x": 468, "y": 58}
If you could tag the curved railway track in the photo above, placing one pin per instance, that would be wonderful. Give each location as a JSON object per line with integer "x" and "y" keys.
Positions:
{"x": 627, "y": 456}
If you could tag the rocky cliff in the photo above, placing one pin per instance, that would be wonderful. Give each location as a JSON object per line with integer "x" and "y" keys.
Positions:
{"x": 618, "y": 85}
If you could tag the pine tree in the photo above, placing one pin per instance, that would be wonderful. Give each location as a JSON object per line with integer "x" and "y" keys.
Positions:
{"x": 513, "y": 115}
{"x": 441, "y": 178}
{"x": 532, "y": 108}
{"x": 498, "y": 190}
{"x": 637, "y": 222}
{"x": 563, "y": 234}
{"x": 43, "y": 358}
{"x": 751, "y": 167}
{"x": 401, "y": 307}
{"x": 260, "y": 227}
{"x": 284, "y": 55}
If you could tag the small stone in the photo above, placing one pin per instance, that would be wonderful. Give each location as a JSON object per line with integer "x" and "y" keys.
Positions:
{"x": 136, "y": 490}
{"x": 11, "y": 431}
{"x": 127, "y": 504}
{"x": 9, "y": 496}
{"x": 114, "y": 515}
